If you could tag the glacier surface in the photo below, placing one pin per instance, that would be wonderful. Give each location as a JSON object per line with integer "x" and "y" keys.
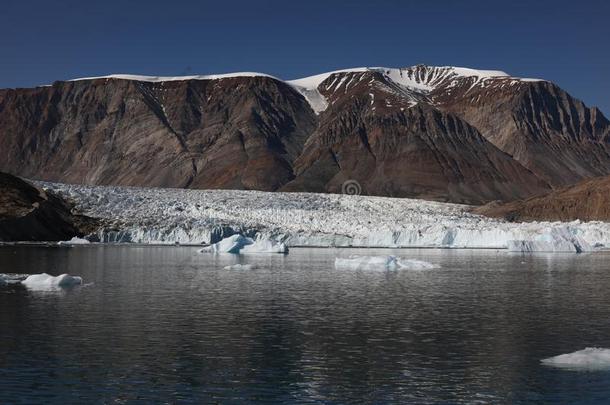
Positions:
{"x": 163, "y": 216}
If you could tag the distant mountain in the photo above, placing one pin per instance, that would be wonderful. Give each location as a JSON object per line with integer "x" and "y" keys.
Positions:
{"x": 441, "y": 133}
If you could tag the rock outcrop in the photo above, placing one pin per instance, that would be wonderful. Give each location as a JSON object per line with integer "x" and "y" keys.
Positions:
{"x": 28, "y": 213}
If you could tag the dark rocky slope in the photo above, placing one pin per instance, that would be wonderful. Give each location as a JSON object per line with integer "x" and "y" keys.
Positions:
{"x": 28, "y": 213}
{"x": 588, "y": 200}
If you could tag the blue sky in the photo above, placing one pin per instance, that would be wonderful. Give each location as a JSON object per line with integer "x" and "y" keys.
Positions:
{"x": 563, "y": 41}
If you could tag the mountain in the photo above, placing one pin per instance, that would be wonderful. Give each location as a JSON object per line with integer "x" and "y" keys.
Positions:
{"x": 441, "y": 133}
{"x": 28, "y": 213}
{"x": 588, "y": 200}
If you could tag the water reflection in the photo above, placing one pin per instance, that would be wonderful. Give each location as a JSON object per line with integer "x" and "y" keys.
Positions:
{"x": 172, "y": 325}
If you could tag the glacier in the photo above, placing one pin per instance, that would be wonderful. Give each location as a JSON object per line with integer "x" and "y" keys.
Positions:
{"x": 196, "y": 217}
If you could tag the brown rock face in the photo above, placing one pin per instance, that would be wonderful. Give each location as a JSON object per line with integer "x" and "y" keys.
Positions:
{"x": 588, "y": 200}
{"x": 241, "y": 132}
{"x": 377, "y": 137}
{"x": 545, "y": 129}
{"x": 28, "y": 213}
{"x": 444, "y": 133}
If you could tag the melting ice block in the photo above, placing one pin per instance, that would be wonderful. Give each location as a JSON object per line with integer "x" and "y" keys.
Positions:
{"x": 242, "y": 244}
{"x": 46, "y": 282}
{"x": 591, "y": 358}
{"x": 381, "y": 263}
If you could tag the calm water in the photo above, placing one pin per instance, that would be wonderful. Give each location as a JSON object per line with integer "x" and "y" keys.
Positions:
{"x": 165, "y": 324}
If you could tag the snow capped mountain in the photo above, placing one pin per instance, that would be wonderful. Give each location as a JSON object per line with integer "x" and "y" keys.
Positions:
{"x": 443, "y": 133}
{"x": 420, "y": 79}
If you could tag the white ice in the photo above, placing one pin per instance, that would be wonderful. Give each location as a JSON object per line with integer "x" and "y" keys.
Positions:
{"x": 263, "y": 245}
{"x": 46, "y": 282}
{"x": 591, "y": 358}
{"x": 232, "y": 244}
{"x": 355, "y": 262}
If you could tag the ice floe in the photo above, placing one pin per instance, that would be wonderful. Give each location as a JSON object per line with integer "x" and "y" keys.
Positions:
{"x": 46, "y": 282}
{"x": 355, "y": 262}
{"x": 591, "y": 358}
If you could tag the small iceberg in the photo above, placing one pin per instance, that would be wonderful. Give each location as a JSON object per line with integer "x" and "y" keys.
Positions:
{"x": 46, "y": 282}
{"x": 591, "y": 358}
{"x": 74, "y": 241}
{"x": 242, "y": 244}
{"x": 238, "y": 266}
{"x": 382, "y": 263}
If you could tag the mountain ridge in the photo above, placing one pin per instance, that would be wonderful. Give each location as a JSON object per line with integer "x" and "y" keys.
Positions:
{"x": 248, "y": 130}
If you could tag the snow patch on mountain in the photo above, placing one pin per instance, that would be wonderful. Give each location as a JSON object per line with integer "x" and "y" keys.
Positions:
{"x": 157, "y": 79}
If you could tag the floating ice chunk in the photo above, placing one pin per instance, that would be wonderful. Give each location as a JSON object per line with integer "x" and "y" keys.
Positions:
{"x": 559, "y": 239}
{"x": 232, "y": 244}
{"x": 74, "y": 241}
{"x": 242, "y": 244}
{"x": 239, "y": 266}
{"x": 381, "y": 263}
{"x": 591, "y": 358}
{"x": 265, "y": 246}
{"x": 414, "y": 264}
{"x": 366, "y": 263}
{"x": 46, "y": 282}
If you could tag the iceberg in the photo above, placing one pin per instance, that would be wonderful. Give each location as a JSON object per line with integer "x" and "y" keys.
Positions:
{"x": 232, "y": 244}
{"x": 591, "y": 358}
{"x": 242, "y": 244}
{"x": 74, "y": 241}
{"x": 46, "y": 282}
{"x": 355, "y": 262}
{"x": 265, "y": 246}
